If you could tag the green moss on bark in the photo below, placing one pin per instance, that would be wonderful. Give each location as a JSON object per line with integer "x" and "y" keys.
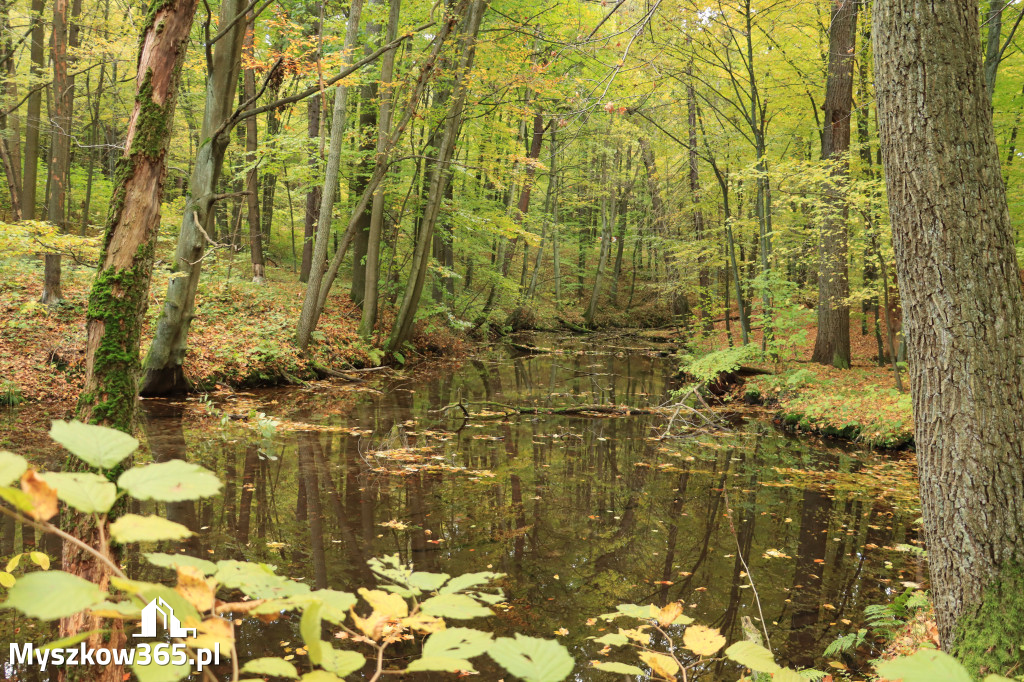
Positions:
{"x": 990, "y": 640}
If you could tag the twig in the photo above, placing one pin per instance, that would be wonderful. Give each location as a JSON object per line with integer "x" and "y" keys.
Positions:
{"x": 750, "y": 576}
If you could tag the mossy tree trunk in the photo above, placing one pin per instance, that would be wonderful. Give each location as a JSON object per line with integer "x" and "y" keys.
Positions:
{"x": 963, "y": 315}
{"x": 164, "y": 373}
{"x": 120, "y": 292}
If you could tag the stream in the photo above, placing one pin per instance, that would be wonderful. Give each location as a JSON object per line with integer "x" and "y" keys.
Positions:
{"x": 580, "y": 512}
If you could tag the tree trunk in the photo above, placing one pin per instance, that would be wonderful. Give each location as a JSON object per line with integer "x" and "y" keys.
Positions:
{"x": 252, "y": 176}
{"x": 368, "y": 115}
{"x": 310, "y": 313}
{"x": 386, "y": 93}
{"x": 164, "y": 372}
{"x": 33, "y": 115}
{"x": 703, "y": 274}
{"x": 832, "y": 346}
{"x": 120, "y": 292}
{"x": 439, "y": 178}
{"x": 993, "y": 43}
{"x": 963, "y": 315}
{"x": 313, "y": 195}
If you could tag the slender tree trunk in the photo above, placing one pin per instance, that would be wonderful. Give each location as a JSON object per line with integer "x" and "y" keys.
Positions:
{"x": 697, "y": 215}
{"x": 440, "y": 176}
{"x": 252, "y": 176}
{"x": 963, "y": 318}
{"x": 312, "y": 212}
{"x": 386, "y": 93}
{"x": 33, "y": 115}
{"x": 832, "y": 346}
{"x": 993, "y": 43}
{"x": 164, "y": 373}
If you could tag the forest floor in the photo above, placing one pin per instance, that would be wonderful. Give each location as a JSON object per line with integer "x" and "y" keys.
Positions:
{"x": 860, "y": 403}
{"x": 241, "y": 337}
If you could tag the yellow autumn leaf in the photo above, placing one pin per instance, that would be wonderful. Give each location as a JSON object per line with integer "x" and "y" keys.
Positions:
{"x": 213, "y": 631}
{"x": 196, "y": 588}
{"x": 44, "y": 498}
{"x": 662, "y": 665}
{"x": 424, "y": 624}
{"x": 669, "y": 613}
{"x": 384, "y": 603}
{"x": 703, "y": 641}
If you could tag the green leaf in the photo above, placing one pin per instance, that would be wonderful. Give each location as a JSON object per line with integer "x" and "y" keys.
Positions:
{"x": 17, "y": 499}
{"x": 612, "y": 639}
{"x": 275, "y": 667}
{"x": 257, "y": 581}
{"x": 468, "y": 580}
{"x": 40, "y": 559}
{"x": 341, "y": 662}
{"x": 753, "y": 656}
{"x": 997, "y": 678}
{"x": 6, "y": 579}
{"x": 49, "y": 595}
{"x": 456, "y": 643}
{"x": 532, "y": 659}
{"x": 440, "y": 663}
{"x": 320, "y": 676}
{"x": 66, "y": 642}
{"x": 175, "y": 560}
{"x": 135, "y": 528}
{"x": 428, "y": 582}
{"x": 12, "y": 466}
{"x": 620, "y": 668}
{"x": 88, "y": 493}
{"x": 927, "y": 665}
{"x": 787, "y": 675}
{"x": 172, "y": 481}
{"x": 457, "y": 606}
{"x": 309, "y": 628}
{"x": 161, "y": 673}
{"x": 98, "y": 446}
{"x": 334, "y": 604}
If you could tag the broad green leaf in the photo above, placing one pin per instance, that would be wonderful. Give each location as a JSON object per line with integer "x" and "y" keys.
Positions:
{"x": 135, "y": 528}
{"x": 98, "y": 446}
{"x": 175, "y": 560}
{"x": 341, "y": 662}
{"x": 787, "y": 675}
{"x": 613, "y": 639}
{"x": 49, "y": 595}
{"x": 66, "y": 642}
{"x": 88, "y": 493}
{"x": 17, "y": 499}
{"x": 532, "y": 659}
{"x": 997, "y": 678}
{"x": 456, "y": 643}
{"x": 753, "y": 656}
{"x": 619, "y": 668}
{"x": 441, "y": 664}
{"x": 124, "y": 610}
{"x": 6, "y": 579}
{"x": 428, "y": 582}
{"x": 161, "y": 673}
{"x": 468, "y": 580}
{"x": 172, "y": 481}
{"x": 309, "y": 628}
{"x": 275, "y": 667}
{"x": 456, "y": 606}
{"x": 147, "y": 592}
{"x": 257, "y": 581}
{"x": 334, "y": 604}
{"x": 927, "y": 665}
{"x": 12, "y": 466}
{"x": 320, "y": 676}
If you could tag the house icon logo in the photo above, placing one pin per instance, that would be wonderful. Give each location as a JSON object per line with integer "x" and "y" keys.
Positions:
{"x": 171, "y": 623}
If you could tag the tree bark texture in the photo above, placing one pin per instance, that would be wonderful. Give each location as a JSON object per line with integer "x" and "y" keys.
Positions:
{"x": 832, "y": 346}
{"x": 961, "y": 295}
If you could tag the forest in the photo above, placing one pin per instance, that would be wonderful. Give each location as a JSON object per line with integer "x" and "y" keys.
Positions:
{"x": 539, "y": 340}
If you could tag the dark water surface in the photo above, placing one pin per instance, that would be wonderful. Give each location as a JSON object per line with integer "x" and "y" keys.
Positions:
{"x": 582, "y": 513}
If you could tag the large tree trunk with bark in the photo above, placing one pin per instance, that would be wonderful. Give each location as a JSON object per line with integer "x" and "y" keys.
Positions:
{"x": 832, "y": 346}
{"x": 963, "y": 316}
{"x": 164, "y": 372}
{"x": 120, "y": 292}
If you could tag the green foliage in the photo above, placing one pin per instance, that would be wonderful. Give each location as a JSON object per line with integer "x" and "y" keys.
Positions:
{"x": 989, "y": 640}
{"x": 708, "y": 368}
{"x": 97, "y": 447}
{"x": 532, "y": 659}
{"x": 846, "y": 643}
{"x": 49, "y": 595}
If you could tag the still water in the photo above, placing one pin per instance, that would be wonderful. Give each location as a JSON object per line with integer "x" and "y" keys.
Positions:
{"x": 580, "y": 512}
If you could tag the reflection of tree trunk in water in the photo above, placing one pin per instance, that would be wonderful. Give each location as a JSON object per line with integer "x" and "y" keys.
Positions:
{"x": 711, "y": 518}
{"x": 673, "y": 536}
{"x": 519, "y": 541}
{"x": 745, "y": 524}
{"x": 354, "y": 544}
{"x": 314, "y": 513}
{"x": 229, "y": 474}
{"x": 424, "y": 555}
{"x": 811, "y": 545}
{"x": 248, "y": 487}
{"x": 263, "y": 504}
{"x": 162, "y": 424}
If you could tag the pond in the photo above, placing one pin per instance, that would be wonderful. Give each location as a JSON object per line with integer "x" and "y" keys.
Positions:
{"x": 581, "y": 512}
